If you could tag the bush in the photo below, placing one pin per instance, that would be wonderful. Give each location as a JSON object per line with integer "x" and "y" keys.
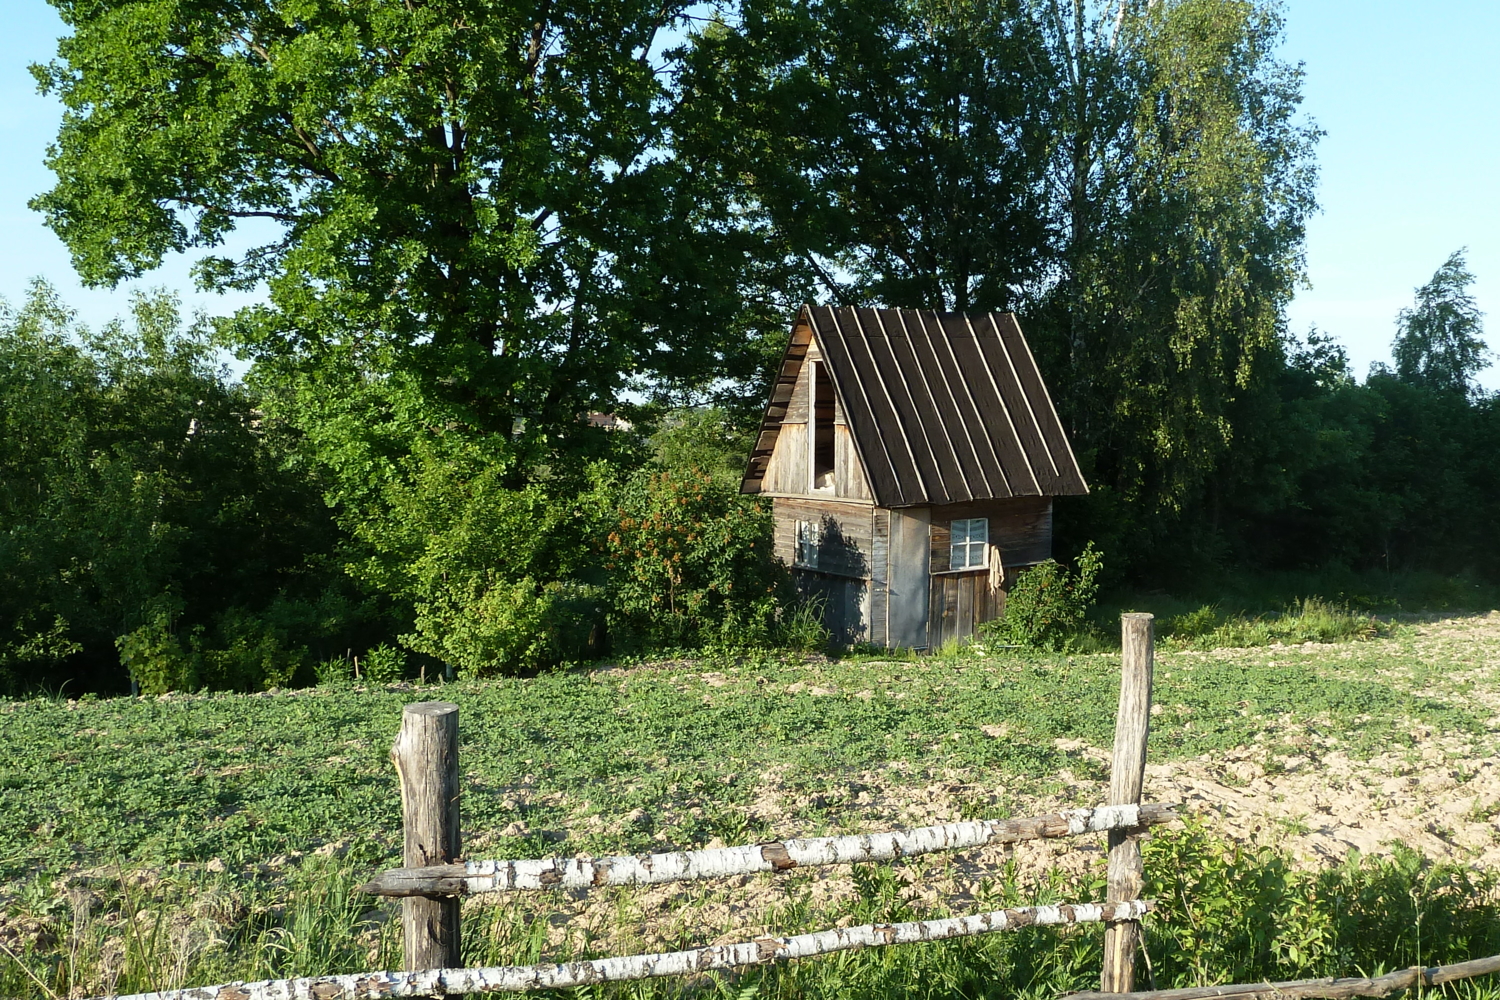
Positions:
{"x": 243, "y": 652}
{"x": 385, "y": 664}
{"x": 1047, "y": 607}
{"x": 496, "y": 625}
{"x": 690, "y": 564}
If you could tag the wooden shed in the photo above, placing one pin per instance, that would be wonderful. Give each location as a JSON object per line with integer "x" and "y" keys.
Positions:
{"x": 911, "y": 457}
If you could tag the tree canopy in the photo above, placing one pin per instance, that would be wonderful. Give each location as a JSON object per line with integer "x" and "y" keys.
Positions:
{"x": 477, "y": 224}
{"x": 1440, "y": 339}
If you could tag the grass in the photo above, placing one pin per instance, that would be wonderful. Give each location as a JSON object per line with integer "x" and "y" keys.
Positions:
{"x": 195, "y": 839}
{"x": 1224, "y": 914}
{"x": 1307, "y": 620}
{"x": 1259, "y": 594}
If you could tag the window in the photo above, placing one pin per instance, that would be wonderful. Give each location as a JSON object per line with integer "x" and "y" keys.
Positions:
{"x": 820, "y": 420}
{"x": 807, "y": 545}
{"x": 971, "y": 537}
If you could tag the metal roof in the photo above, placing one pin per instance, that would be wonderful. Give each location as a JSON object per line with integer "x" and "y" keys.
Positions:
{"x": 943, "y": 407}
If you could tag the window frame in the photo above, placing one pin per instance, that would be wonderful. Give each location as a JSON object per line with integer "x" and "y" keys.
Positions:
{"x": 967, "y": 543}
{"x": 805, "y": 544}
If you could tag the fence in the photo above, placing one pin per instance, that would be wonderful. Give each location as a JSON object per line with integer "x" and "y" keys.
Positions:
{"x": 433, "y": 882}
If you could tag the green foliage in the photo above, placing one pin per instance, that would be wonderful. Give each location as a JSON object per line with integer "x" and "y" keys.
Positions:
{"x": 383, "y": 664}
{"x": 471, "y": 221}
{"x": 802, "y": 628}
{"x": 704, "y": 439}
{"x": 146, "y": 505}
{"x": 1048, "y": 605}
{"x": 510, "y": 627}
{"x": 1310, "y": 619}
{"x": 1440, "y": 342}
{"x": 1232, "y": 912}
{"x": 690, "y": 564}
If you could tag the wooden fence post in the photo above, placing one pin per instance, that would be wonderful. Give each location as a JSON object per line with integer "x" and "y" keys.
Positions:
{"x": 1126, "y": 776}
{"x": 426, "y": 758}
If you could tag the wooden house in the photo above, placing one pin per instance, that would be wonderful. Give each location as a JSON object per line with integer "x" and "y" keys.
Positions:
{"x": 911, "y": 457}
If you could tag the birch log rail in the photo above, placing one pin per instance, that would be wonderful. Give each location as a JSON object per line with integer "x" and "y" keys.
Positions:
{"x": 1329, "y": 989}
{"x": 761, "y": 951}
{"x": 476, "y": 877}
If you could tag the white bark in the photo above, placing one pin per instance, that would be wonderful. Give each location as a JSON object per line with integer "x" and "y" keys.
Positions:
{"x": 650, "y": 869}
{"x": 516, "y": 979}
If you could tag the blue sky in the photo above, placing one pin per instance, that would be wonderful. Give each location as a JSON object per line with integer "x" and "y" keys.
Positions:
{"x": 1408, "y": 94}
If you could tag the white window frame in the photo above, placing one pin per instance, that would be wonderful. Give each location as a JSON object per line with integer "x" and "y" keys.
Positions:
{"x": 805, "y": 546}
{"x": 969, "y": 541}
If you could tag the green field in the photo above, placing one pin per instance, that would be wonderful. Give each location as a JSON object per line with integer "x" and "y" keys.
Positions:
{"x": 248, "y": 817}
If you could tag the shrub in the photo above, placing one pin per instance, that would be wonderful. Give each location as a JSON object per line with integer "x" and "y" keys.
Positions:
{"x": 334, "y": 671}
{"x": 243, "y": 652}
{"x": 1048, "y": 606}
{"x": 690, "y": 564}
{"x": 494, "y": 625}
{"x": 384, "y": 664}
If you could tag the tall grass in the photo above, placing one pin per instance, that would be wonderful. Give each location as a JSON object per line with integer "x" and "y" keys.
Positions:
{"x": 1225, "y": 913}
{"x": 1310, "y": 619}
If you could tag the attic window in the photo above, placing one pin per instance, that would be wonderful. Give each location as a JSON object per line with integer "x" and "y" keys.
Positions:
{"x": 971, "y": 536}
{"x": 807, "y": 545}
{"x": 821, "y": 410}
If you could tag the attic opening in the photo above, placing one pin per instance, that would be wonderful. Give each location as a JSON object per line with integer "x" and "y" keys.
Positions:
{"x": 821, "y": 409}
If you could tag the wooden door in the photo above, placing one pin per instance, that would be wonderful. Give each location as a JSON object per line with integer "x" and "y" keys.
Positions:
{"x": 959, "y": 602}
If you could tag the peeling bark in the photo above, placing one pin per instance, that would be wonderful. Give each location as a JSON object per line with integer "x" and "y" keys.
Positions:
{"x": 517, "y": 979}
{"x": 679, "y": 866}
{"x": 1329, "y": 989}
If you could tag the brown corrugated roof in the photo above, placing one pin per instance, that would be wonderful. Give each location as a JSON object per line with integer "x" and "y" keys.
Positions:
{"x": 943, "y": 407}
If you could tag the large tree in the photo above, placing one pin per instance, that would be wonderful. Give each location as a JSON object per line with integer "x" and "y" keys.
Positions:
{"x": 473, "y": 204}
{"x": 1131, "y": 177}
{"x": 1440, "y": 339}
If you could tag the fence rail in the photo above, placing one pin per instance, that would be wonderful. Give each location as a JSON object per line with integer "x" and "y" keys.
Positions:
{"x": 761, "y": 951}
{"x": 1328, "y": 989}
{"x": 475, "y": 877}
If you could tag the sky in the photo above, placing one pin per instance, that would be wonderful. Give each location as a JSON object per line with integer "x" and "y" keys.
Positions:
{"x": 1407, "y": 94}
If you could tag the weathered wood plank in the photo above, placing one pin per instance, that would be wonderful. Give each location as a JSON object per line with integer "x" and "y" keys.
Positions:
{"x": 880, "y": 598}
{"x": 762, "y": 951}
{"x": 942, "y": 544}
{"x": 963, "y": 623}
{"x": 723, "y": 862}
{"x": 787, "y": 470}
{"x": 845, "y": 528}
{"x": 426, "y": 759}
{"x": 1126, "y": 778}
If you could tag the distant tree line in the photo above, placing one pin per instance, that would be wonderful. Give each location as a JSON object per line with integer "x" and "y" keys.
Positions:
{"x": 487, "y": 221}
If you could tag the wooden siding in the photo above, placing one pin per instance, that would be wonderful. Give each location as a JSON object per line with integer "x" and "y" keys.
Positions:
{"x": 845, "y": 604}
{"x": 782, "y": 394}
{"x": 1021, "y": 527}
{"x": 849, "y": 480}
{"x": 787, "y": 469}
{"x": 846, "y": 534}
